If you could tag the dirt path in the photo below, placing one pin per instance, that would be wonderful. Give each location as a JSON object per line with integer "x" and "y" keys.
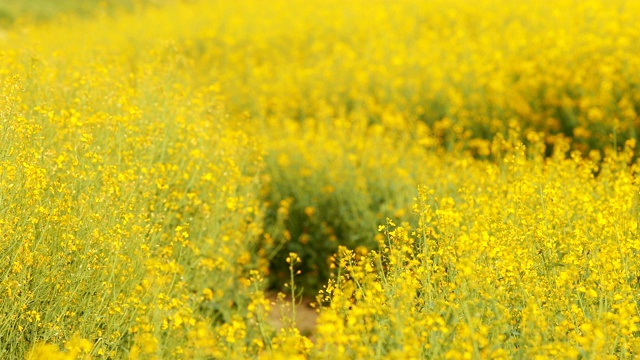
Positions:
{"x": 306, "y": 316}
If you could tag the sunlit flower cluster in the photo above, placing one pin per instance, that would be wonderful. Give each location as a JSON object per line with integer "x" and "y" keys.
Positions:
{"x": 523, "y": 257}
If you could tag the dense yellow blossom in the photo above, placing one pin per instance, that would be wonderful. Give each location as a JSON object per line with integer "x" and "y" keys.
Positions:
{"x": 458, "y": 178}
{"x": 518, "y": 263}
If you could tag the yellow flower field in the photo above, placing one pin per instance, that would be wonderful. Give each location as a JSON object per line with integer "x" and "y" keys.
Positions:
{"x": 443, "y": 179}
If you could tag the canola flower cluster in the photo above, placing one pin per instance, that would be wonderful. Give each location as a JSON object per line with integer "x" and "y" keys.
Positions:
{"x": 457, "y": 179}
{"x": 537, "y": 259}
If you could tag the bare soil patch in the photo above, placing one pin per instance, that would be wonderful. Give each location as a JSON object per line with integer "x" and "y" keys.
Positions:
{"x": 306, "y": 315}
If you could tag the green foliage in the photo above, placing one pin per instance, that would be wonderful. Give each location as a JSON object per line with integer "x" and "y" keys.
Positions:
{"x": 43, "y": 10}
